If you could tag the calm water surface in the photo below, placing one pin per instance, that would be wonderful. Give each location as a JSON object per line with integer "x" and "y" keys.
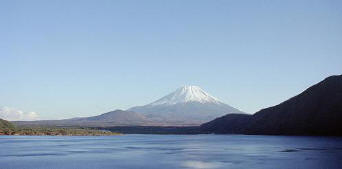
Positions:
{"x": 170, "y": 151}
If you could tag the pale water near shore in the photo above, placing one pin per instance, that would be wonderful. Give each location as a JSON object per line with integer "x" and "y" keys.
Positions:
{"x": 170, "y": 151}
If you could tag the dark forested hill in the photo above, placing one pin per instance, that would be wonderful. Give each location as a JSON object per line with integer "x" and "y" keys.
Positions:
{"x": 316, "y": 111}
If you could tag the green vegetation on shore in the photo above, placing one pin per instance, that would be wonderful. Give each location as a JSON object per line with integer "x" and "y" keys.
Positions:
{"x": 7, "y": 128}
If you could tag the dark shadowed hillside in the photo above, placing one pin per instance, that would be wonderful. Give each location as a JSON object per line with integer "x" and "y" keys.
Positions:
{"x": 231, "y": 123}
{"x": 316, "y": 111}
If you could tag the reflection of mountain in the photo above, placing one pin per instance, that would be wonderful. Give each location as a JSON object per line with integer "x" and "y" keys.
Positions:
{"x": 316, "y": 111}
{"x": 185, "y": 106}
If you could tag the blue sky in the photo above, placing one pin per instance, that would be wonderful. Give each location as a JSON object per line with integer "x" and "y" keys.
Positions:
{"x": 68, "y": 58}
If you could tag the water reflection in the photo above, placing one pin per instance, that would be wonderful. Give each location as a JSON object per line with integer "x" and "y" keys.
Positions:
{"x": 201, "y": 164}
{"x": 170, "y": 152}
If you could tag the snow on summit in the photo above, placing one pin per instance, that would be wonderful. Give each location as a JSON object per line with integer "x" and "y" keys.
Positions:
{"x": 188, "y": 105}
{"x": 187, "y": 94}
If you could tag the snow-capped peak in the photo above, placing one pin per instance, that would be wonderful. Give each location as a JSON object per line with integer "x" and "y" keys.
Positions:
{"x": 187, "y": 94}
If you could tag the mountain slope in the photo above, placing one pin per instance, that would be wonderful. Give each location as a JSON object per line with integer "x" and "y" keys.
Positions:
{"x": 117, "y": 117}
{"x": 189, "y": 105}
{"x": 231, "y": 123}
{"x": 316, "y": 111}
{"x": 113, "y": 118}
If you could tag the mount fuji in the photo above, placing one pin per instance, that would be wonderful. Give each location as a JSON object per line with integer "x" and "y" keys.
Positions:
{"x": 188, "y": 105}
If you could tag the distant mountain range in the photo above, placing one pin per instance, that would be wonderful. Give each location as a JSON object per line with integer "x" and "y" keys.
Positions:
{"x": 113, "y": 118}
{"x": 187, "y": 106}
{"x": 316, "y": 111}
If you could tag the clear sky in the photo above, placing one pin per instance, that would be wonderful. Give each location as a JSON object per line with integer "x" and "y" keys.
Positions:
{"x": 68, "y": 58}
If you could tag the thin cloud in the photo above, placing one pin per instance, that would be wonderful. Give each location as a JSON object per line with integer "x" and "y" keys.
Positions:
{"x": 13, "y": 114}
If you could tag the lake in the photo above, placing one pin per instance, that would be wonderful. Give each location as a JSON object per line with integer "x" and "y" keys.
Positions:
{"x": 170, "y": 152}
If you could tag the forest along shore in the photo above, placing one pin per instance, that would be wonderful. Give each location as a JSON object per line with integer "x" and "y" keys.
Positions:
{"x": 7, "y": 128}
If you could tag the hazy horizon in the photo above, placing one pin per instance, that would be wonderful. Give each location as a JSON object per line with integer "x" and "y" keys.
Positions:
{"x": 64, "y": 59}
